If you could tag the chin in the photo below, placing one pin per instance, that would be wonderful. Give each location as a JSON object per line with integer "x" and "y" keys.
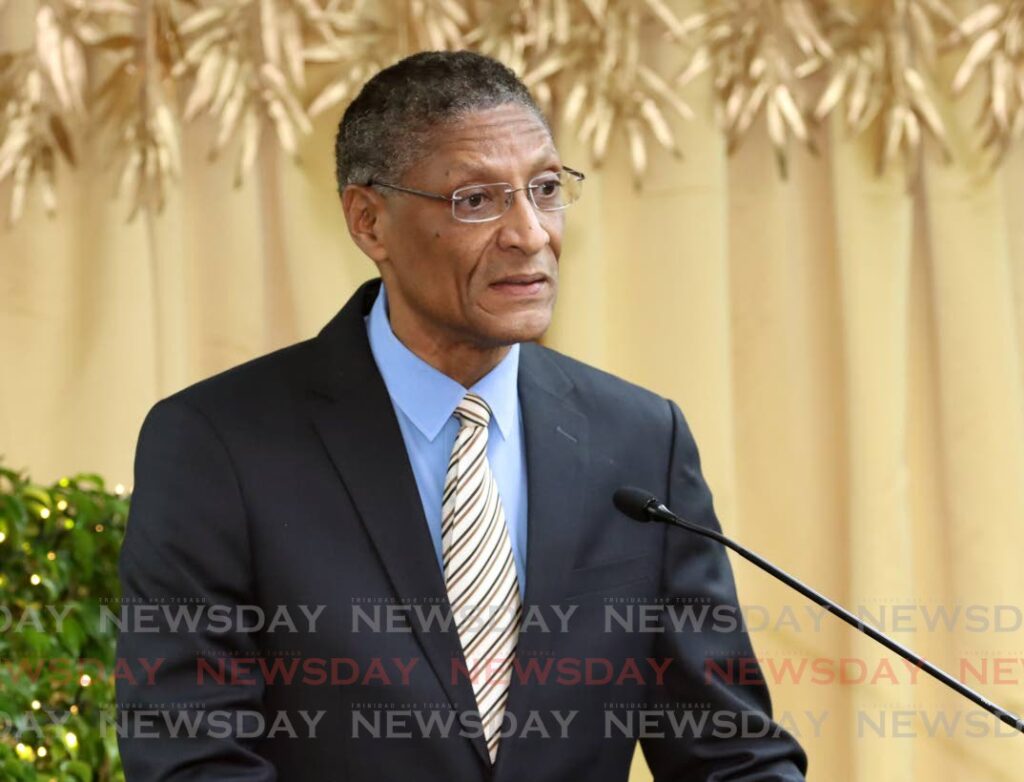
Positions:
{"x": 526, "y": 329}
{"x": 521, "y": 327}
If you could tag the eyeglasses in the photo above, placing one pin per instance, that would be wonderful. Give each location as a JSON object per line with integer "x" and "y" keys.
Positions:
{"x": 549, "y": 192}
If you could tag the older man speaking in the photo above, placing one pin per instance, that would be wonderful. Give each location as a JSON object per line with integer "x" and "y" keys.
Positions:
{"x": 429, "y": 492}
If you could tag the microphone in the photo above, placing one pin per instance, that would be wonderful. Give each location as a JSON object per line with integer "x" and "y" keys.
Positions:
{"x": 643, "y": 506}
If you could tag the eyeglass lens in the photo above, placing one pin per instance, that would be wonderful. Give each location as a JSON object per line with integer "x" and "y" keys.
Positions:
{"x": 549, "y": 192}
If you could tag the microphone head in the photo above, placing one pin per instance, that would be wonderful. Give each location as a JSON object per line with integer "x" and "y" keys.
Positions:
{"x": 634, "y": 502}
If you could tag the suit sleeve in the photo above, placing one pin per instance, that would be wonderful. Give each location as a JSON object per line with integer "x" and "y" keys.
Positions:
{"x": 728, "y": 732}
{"x": 186, "y": 551}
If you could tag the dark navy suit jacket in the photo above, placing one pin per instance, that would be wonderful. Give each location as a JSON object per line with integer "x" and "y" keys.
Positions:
{"x": 284, "y": 482}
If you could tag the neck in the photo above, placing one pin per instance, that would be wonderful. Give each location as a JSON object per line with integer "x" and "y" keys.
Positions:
{"x": 463, "y": 364}
{"x": 463, "y": 361}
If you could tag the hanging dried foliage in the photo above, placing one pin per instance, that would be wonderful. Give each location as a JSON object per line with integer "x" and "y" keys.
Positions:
{"x": 247, "y": 66}
{"x": 589, "y": 52}
{"x": 609, "y": 87}
{"x": 43, "y": 93}
{"x": 371, "y": 34}
{"x": 758, "y": 50}
{"x": 136, "y": 101}
{"x": 139, "y": 69}
{"x": 994, "y": 38}
{"x": 523, "y": 34}
{"x": 885, "y": 70}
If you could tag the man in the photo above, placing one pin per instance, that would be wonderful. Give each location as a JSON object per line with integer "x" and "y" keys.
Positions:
{"x": 420, "y": 459}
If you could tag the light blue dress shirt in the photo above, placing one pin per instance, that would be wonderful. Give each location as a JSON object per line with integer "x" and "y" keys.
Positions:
{"x": 425, "y": 399}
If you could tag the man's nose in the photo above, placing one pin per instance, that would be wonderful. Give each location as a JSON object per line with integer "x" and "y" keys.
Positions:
{"x": 521, "y": 226}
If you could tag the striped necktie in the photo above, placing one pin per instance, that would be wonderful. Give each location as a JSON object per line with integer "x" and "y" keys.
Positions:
{"x": 479, "y": 569}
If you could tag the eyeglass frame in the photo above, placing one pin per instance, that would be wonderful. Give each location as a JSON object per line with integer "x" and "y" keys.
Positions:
{"x": 510, "y": 191}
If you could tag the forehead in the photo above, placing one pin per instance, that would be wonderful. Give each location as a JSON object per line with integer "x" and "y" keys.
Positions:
{"x": 508, "y": 138}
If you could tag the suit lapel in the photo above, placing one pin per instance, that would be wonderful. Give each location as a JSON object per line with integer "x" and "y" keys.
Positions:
{"x": 355, "y": 419}
{"x": 557, "y": 436}
{"x": 556, "y": 448}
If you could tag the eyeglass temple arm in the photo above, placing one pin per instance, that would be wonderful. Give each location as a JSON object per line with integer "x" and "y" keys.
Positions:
{"x": 412, "y": 190}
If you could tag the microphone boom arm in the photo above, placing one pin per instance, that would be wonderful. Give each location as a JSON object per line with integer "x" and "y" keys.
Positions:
{"x": 656, "y": 511}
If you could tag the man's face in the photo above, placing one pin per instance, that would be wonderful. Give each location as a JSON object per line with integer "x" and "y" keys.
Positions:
{"x": 485, "y": 284}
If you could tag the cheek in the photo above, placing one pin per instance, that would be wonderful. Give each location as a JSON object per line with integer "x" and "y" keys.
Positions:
{"x": 554, "y": 230}
{"x": 556, "y": 243}
{"x": 450, "y": 265}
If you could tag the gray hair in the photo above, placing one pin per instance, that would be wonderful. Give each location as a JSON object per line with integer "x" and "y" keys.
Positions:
{"x": 386, "y": 129}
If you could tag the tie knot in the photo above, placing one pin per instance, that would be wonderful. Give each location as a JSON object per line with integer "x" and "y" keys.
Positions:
{"x": 473, "y": 411}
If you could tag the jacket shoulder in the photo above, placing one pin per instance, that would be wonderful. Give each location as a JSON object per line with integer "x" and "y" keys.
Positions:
{"x": 265, "y": 380}
{"x": 598, "y": 389}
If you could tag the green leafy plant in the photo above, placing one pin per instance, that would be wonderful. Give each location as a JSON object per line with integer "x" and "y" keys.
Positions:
{"x": 58, "y": 572}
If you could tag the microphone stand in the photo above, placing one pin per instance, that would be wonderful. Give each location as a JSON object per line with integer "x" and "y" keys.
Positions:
{"x": 634, "y": 502}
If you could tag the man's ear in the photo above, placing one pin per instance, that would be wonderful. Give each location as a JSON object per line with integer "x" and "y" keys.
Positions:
{"x": 367, "y": 218}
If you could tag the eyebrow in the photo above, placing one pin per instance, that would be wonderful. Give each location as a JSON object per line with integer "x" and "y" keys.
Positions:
{"x": 475, "y": 170}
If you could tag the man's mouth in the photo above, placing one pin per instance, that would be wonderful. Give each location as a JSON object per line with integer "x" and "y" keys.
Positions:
{"x": 521, "y": 284}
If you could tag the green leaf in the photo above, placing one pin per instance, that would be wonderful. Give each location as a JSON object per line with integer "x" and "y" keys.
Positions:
{"x": 72, "y": 634}
{"x": 84, "y": 545}
{"x": 79, "y": 770}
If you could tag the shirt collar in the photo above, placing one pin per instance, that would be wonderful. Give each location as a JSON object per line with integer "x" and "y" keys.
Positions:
{"x": 427, "y": 396}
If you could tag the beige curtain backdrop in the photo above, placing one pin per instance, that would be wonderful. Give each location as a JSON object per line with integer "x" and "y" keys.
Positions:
{"x": 849, "y": 352}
